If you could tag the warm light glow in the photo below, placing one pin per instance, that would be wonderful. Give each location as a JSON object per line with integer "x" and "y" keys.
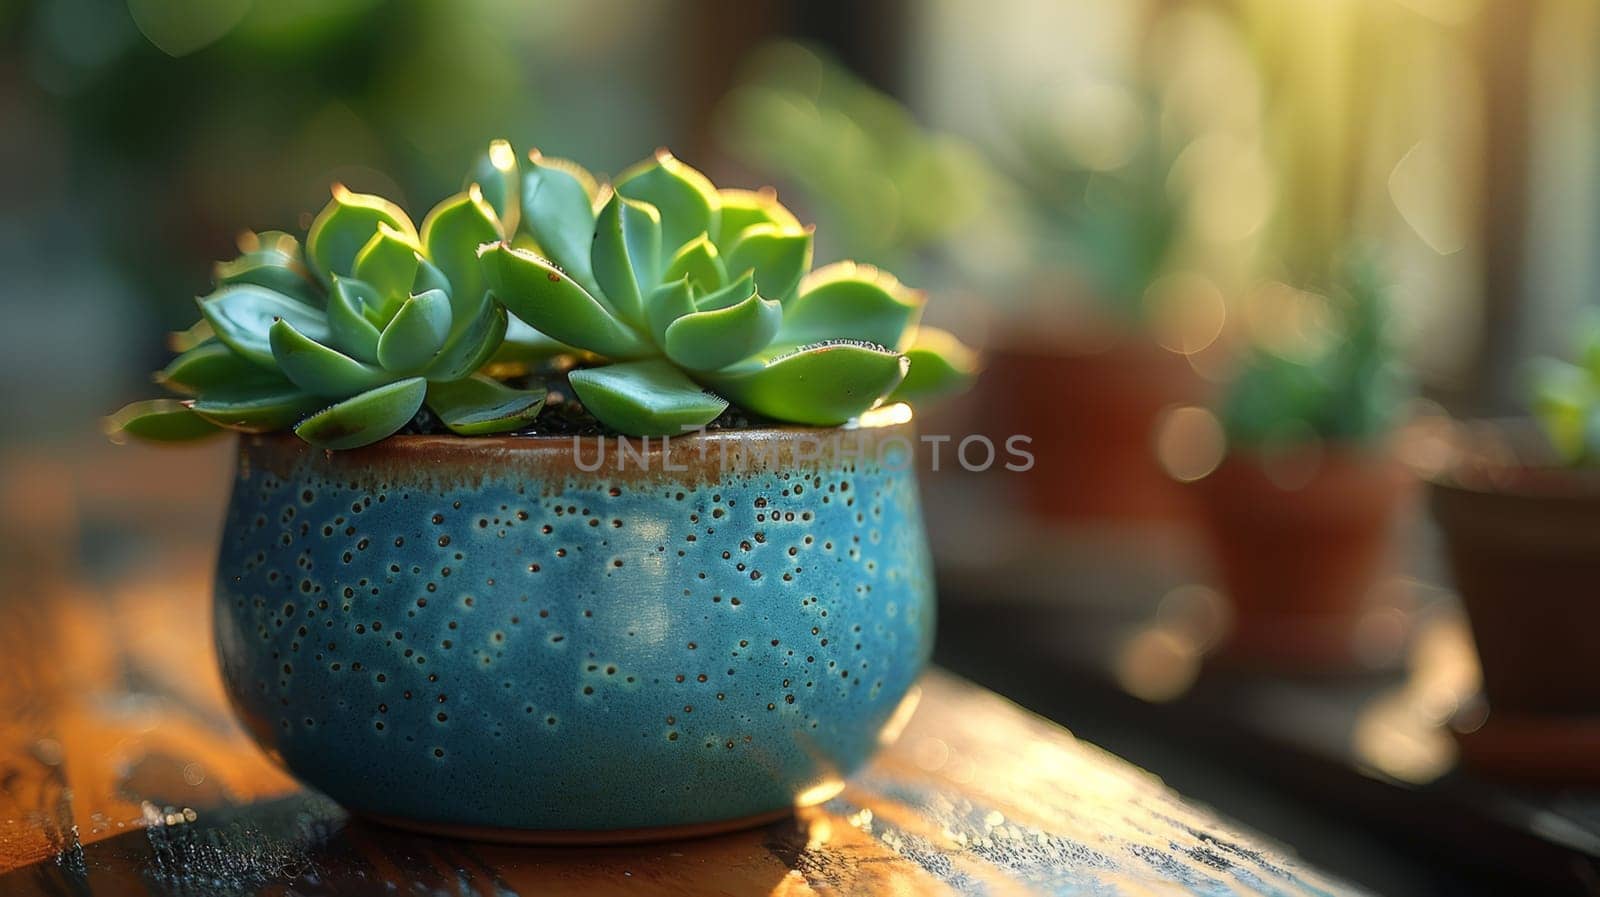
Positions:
{"x": 502, "y": 156}
{"x": 930, "y": 753}
{"x": 902, "y": 713}
{"x": 1230, "y": 188}
{"x": 1288, "y": 321}
{"x": 818, "y": 833}
{"x": 1158, "y": 664}
{"x": 1421, "y": 186}
{"x": 1199, "y": 612}
{"x": 886, "y": 415}
{"x": 1189, "y": 442}
{"x": 1099, "y": 125}
{"x": 1186, "y": 312}
{"x": 820, "y": 793}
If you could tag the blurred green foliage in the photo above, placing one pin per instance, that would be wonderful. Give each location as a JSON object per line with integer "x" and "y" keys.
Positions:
{"x": 876, "y": 181}
{"x": 1566, "y": 396}
{"x": 917, "y": 198}
{"x": 190, "y": 116}
{"x": 1115, "y": 226}
{"x": 1347, "y": 386}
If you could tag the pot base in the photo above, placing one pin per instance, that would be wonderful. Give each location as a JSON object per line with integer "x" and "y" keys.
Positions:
{"x": 1552, "y": 750}
{"x": 579, "y": 837}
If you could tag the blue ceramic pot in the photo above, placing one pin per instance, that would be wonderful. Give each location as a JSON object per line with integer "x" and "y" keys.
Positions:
{"x": 481, "y": 636}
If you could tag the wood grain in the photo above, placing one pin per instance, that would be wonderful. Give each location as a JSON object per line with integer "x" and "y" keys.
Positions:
{"x": 122, "y": 772}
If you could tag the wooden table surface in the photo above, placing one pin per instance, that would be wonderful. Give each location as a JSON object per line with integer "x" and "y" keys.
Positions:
{"x": 122, "y": 771}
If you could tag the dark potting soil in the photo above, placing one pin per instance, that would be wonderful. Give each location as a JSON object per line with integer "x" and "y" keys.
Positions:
{"x": 564, "y": 415}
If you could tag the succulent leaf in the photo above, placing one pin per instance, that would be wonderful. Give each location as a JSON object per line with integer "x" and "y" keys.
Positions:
{"x": 627, "y": 256}
{"x": 495, "y": 173}
{"x": 451, "y": 235}
{"x": 545, "y": 298}
{"x": 939, "y": 366}
{"x": 732, "y": 294}
{"x": 668, "y": 303}
{"x": 699, "y": 261}
{"x": 779, "y": 257}
{"x": 558, "y": 211}
{"x": 470, "y": 346}
{"x": 353, "y": 318}
{"x": 273, "y": 268}
{"x": 849, "y": 301}
{"x": 345, "y": 225}
{"x": 708, "y": 340}
{"x": 212, "y": 364}
{"x": 159, "y": 420}
{"x": 645, "y": 398}
{"x": 318, "y": 369}
{"x": 822, "y": 385}
{"x": 478, "y": 405}
{"x": 197, "y": 333}
{"x": 429, "y": 277}
{"x": 742, "y": 208}
{"x": 242, "y": 316}
{"x": 685, "y": 199}
{"x": 256, "y": 409}
{"x": 416, "y": 334}
{"x": 365, "y": 418}
{"x": 388, "y": 262}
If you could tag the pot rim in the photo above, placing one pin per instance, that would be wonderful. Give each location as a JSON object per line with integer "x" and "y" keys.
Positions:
{"x": 1526, "y": 481}
{"x": 1383, "y": 451}
{"x": 704, "y": 453}
{"x": 1507, "y": 457}
{"x": 1381, "y": 459}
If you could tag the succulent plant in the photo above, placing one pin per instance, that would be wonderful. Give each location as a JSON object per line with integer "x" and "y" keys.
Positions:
{"x": 1566, "y": 398}
{"x": 694, "y": 297}
{"x": 1350, "y": 391}
{"x": 346, "y": 340}
{"x": 669, "y": 296}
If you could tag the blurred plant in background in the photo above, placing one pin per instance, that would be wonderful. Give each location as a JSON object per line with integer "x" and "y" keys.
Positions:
{"x": 899, "y": 195}
{"x": 1323, "y": 369}
{"x": 1102, "y": 206}
{"x": 1566, "y": 396}
{"x": 254, "y": 96}
{"x": 1072, "y": 204}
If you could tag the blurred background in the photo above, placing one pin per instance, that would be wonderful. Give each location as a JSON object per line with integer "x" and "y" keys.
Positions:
{"x": 1215, "y": 252}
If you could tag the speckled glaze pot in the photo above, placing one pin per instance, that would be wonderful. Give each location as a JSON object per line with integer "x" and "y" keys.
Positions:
{"x": 480, "y": 637}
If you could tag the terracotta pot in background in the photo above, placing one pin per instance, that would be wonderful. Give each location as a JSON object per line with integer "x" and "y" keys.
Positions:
{"x": 1524, "y": 553}
{"x": 1092, "y": 416}
{"x": 1299, "y": 543}
{"x": 1523, "y": 543}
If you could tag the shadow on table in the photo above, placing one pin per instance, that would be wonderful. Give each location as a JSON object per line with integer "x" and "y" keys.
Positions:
{"x": 305, "y": 844}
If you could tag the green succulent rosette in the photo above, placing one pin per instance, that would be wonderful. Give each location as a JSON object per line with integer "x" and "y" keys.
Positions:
{"x": 667, "y": 297}
{"x": 692, "y": 297}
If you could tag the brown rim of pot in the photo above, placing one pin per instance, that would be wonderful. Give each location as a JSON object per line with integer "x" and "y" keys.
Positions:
{"x": 1307, "y": 466}
{"x": 1509, "y": 459}
{"x": 694, "y": 455}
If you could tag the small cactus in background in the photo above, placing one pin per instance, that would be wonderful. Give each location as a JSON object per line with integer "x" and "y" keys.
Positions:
{"x": 671, "y": 298}
{"x": 695, "y": 297}
{"x": 1566, "y": 399}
